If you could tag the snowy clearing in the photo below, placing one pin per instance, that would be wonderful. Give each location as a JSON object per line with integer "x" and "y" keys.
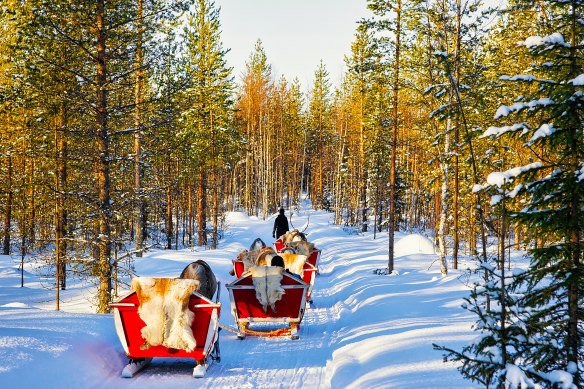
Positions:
{"x": 364, "y": 330}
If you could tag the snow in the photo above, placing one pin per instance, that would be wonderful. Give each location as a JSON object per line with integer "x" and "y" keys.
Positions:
{"x": 364, "y": 330}
{"x": 515, "y": 191}
{"x": 477, "y": 188}
{"x": 578, "y": 80}
{"x": 516, "y": 378}
{"x": 520, "y": 77}
{"x": 542, "y": 132}
{"x": 505, "y": 110}
{"x": 501, "y": 111}
{"x": 534, "y": 41}
{"x": 440, "y": 53}
{"x": 561, "y": 378}
{"x": 499, "y": 179}
{"x": 414, "y": 244}
{"x": 526, "y": 78}
{"x": 517, "y": 272}
{"x": 580, "y": 173}
{"x": 498, "y": 131}
{"x": 496, "y": 199}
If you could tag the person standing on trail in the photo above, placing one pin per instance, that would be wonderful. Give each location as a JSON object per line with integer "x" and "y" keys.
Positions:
{"x": 280, "y": 225}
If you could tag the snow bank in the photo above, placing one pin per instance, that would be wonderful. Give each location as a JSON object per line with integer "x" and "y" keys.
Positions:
{"x": 414, "y": 244}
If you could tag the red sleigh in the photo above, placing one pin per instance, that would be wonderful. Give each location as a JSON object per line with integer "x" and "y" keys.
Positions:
{"x": 246, "y": 308}
{"x": 308, "y": 276}
{"x": 204, "y": 326}
{"x": 312, "y": 258}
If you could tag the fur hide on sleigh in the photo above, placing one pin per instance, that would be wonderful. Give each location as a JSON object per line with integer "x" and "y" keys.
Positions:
{"x": 302, "y": 247}
{"x": 267, "y": 283}
{"x": 164, "y": 308}
{"x": 293, "y": 236}
{"x": 294, "y": 263}
{"x": 256, "y": 258}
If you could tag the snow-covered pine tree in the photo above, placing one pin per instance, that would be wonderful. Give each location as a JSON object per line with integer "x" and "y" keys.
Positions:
{"x": 490, "y": 358}
{"x": 552, "y": 187}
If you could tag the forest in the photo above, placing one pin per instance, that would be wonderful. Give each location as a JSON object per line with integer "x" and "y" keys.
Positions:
{"x": 123, "y": 128}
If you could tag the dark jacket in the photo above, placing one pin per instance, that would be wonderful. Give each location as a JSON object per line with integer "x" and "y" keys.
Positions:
{"x": 280, "y": 225}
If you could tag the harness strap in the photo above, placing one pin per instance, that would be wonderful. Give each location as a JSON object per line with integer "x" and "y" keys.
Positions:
{"x": 269, "y": 334}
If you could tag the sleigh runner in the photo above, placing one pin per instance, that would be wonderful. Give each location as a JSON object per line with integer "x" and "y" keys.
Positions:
{"x": 204, "y": 328}
{"x": 289, "y": 309}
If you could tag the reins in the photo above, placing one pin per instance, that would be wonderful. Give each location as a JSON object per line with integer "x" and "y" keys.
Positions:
{"x": 267, "y": 334}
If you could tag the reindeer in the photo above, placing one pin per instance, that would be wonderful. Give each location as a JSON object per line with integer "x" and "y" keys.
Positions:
{"x": 257, "y": 245}
{"x": 201, "y": 271}
{"x": 295, "y": 235}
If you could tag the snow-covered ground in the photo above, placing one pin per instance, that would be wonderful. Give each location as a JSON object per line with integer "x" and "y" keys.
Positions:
{"x": 363, "y": 331}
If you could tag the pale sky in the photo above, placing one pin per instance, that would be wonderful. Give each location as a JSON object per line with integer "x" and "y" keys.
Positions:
{"x": 295, "y": 34}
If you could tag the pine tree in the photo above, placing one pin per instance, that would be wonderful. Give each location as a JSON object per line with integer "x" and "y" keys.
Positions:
{"x": 361, "y": 68}
{"x": 552, "y": 189}
{"x": 252, "y": 119}
{"x": 384, "y": 10}
{"x": 491, "y": 359}
{"x": 83, "y": 74}
{"x": 319, "y": 120}
{"x": 206, "y": 120}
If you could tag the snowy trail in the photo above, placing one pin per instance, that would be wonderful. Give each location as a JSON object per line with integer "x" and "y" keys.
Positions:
{"x": 364, "y": 330}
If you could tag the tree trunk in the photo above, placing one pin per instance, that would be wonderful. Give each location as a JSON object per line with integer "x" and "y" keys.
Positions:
{"x": 502, "y": 301}
{"x": 103, "y": 166}
{"x": 169, "y": 224}
{"x": 392, "y": 195}
{"x": 575, "y": 237}
{"x": 190, "y": 214}
{"x": 456, "y": 140}
{"x": 363, "y": 175}
{"x": 443, "y": 200}
{"x": 202, "y": 207}
{"x": 61, "y": 185}
{"x": 139, "y": 201}
{"x": 176, "y": 213}
{"x": 215, "y": 201}
{"x": 8, "y": 209}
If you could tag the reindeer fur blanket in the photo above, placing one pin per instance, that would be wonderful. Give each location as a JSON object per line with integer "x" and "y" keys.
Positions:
{"x": 248, "y": 258}
{"x": 293, "y": 236}
{"x": 267, "y": 282}
{"x": 302, "y": 247}
{"x": 256, "y": 258}
{"x": 294, "y": 263}
{"x": 164, "y": 309}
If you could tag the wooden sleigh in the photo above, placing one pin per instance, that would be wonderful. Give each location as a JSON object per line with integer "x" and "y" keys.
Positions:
{"x": 246, "y": 308}
{"x": 308, "y": 274}
{"x": 204, "y": 326}
{"x": 312, "y": 258}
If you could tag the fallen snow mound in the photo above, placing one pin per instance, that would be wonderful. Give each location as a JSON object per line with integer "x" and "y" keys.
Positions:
{"x": 414, "y": 244}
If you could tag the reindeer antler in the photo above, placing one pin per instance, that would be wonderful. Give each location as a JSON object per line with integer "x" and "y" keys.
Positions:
{"x": 307, "y": 224}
